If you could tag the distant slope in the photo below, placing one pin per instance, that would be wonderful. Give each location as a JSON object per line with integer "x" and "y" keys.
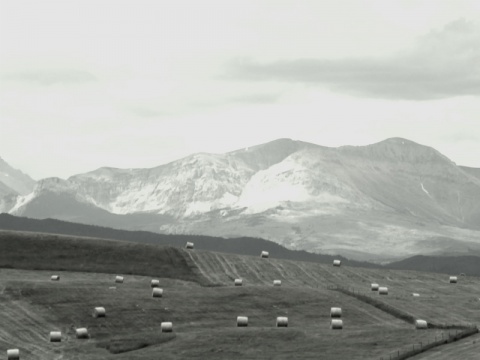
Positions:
{"x": 5, "y": 190}
{"x": 65, "y": 206}
{"x": 241, "y": 246}
{"x": 15, "y": 180}
{"x": 472, "y": 171}
{"x": 454, "y": 265}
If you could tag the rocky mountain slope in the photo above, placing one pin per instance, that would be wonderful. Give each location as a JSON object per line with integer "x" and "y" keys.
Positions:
{"x": 391, "y": 199}
{"x": 13, "y": 181}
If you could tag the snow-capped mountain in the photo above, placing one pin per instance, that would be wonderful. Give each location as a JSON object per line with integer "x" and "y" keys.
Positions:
{"x": 386, "y": 199}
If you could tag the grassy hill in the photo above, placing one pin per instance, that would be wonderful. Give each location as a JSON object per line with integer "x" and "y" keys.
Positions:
{"x": 201, "y": 301}
{"x": 243, "y": 246}
{"x": 23, "y": 250}
{"x": 469, "y": 265}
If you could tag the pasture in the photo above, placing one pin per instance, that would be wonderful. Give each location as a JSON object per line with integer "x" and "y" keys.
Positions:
{"x": 203, "y": 304}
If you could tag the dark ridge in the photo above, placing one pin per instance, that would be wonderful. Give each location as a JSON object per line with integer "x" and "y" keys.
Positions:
{"x": 454, "y": 265}
{"x": 241, "y": 246}
{"x": 38, "y": 251}
{"x": 469, "y": 265}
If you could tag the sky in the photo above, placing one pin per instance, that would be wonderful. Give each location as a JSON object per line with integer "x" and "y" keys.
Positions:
{"x": 138, "y": 83}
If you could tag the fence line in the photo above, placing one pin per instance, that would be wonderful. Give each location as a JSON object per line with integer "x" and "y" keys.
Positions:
{"x": 461, "y": 331}
{"x": 420, "y": 347}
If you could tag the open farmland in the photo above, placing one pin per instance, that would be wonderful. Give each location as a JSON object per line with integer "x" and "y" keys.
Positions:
{"x": 202, "y": 303}
{"x": 463, "y": 349}
{"x": 439, "y": 301}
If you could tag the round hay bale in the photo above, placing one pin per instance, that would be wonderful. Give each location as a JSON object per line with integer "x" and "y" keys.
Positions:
{"x": 155, "y": 283}
{"x": 282, "y": 321}
{"x": 337, "y": 263}
{"x": 383, "y": 290}
{"x": 336, "y": 324}
{"x": 189, "y": 245}
{"x": 119, "y": 279}
{"x": 55, "y": 278}
{"x": 374, "y": 287}
{"x": 242, "y": 321}
{"x": 336, "y": 312}
{"x": 81, "y": 333}
{"x": 166, "y": 326}
{"x": 415, "y": 294}
{"x": 277, "y": 282}
{"x": 98, "y": 312}
{"x": 157, "y": 292}
{"x": 238, "y": 282}
{"x": 421, "y": 324}
{"x": 13, "y": 354}
{"x": 453, "y": 279}
{"x": 264, "y": 254}
{"x": 55, "y": 336}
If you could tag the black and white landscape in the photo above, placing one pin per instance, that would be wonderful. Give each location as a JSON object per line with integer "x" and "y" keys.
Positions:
{"x": 241, "y": 179}
{"x": 379, "y": 202}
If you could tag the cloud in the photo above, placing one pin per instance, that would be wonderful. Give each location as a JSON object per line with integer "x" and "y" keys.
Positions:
{"x": 47, "y": 78}
{"x": 442, "y": 64}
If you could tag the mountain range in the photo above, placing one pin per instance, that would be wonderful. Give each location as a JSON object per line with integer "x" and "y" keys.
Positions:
{"x": 379, "y": 202}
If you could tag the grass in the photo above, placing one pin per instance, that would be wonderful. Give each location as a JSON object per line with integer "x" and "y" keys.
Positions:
{"x": 58, "y": 252}
{"x": 202, "y": 303}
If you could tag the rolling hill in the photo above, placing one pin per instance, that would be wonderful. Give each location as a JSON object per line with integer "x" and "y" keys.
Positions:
{"x": 241, "y": 246}
{"x": 202, "y": 303}
{"x": 468, "y": 264}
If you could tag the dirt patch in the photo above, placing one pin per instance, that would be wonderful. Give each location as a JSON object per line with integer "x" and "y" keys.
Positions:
{"x": 118, "y": 345}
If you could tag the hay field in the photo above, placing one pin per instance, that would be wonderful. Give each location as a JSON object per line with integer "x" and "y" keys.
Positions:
{"x": 203, "y": 304}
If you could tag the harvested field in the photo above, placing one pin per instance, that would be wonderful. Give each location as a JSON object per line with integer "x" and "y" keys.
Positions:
{"x": 203, "y": 305}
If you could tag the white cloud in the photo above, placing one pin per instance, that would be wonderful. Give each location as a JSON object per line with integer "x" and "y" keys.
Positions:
{"x": 443, "y": 64}
{"x": 139, "y": 83}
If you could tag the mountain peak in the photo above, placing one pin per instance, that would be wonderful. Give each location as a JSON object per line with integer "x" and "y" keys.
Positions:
{"x": 396, "y": 149}
{"x": 263, "y": 156}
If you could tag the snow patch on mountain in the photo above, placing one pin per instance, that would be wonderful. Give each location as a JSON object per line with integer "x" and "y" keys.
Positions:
{"x": 425, "y": 190}
{"x": 21, "y": 201}
{"x": 199, "y": 207}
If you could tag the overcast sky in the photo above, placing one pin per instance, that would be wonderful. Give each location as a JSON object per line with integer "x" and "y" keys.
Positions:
{"x": 137, "y": 83}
